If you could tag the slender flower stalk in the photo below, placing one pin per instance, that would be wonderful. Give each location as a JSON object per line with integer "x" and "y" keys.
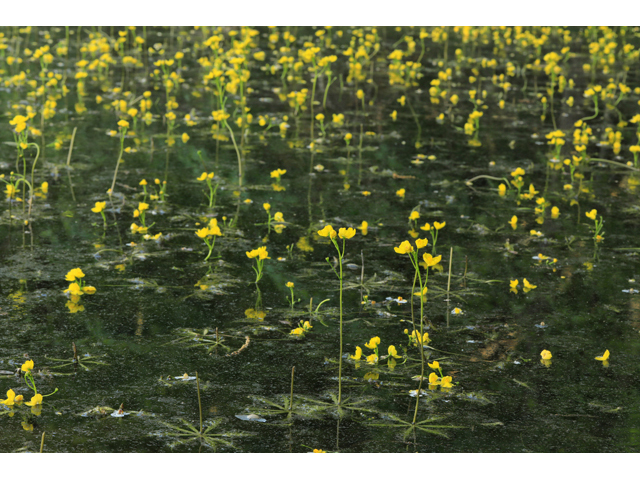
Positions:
{"x": 344, "y": 234}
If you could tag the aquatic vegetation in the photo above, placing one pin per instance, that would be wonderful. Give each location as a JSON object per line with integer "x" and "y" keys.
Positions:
{"x": 513, "y": 135}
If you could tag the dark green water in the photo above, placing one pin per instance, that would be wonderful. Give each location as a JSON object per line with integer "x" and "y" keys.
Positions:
{"x": 504, "y": 399}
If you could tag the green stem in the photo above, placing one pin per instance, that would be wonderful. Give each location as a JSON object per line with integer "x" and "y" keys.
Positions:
{"x": 199, "y": 402}
{"x": 115, "y": 174}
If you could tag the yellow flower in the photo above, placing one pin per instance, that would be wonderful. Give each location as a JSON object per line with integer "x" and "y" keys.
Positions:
{"x": 373, "y": 343}
{"x": 185, "y": 137}
{"x": 202, "y": 177}
{"x": 592, "y": 214}
{"x": 203, "y": 232}
{"x": 89, "y": 290}
{"x": 123, "y": 124}
{"x": 35, "y": 400}
{"x": 528, "y": 286}
{"x": 400, "y": 193}
{"x": 278, "y": 173}
{"x": 405, "y": 247}
{"x": 297, "y": 331}
{"x": 424, "y": 292}
{"x": 555, "y": 212}
{"x": 445, "y": 382}
{"x": 143, "y": 206}
{"x": 289, "y": 285}
{"x": 514, "y": 222}
{"x": 346, "y": 232}
{"x": 11, "y": 395}
{"x": 604, "y": 357}
{"x": 434, "y": 379}
{"x": 266, "y": 206}
{"x": 430, "y": 260}
{"x": 100, "y": 206}
{"x": 73, "y": 275}
{"x": 393, "y": 353}
{"x": 364, "y": 227}
{"x": 439, "y": 225}
{"x": 414, "y": 215}
{"x": 546, "y": 355}
{"x": 328, "y": 231}
{"x": 317, "y": 450}
{"x": 357, "y": 355}
{"x": 44, "y": 187}
{"x": 435, "y": 365}
{"x": 502, "y": 189}
{"x": 372, "y": 359}
{"x": 27, "y": 366}
{"x": 426, "y": 227}
{"x": 421, "y": 243}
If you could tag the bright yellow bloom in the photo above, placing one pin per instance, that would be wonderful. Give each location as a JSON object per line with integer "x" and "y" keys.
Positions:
{"x": 592, "y": 214}
{"x": 546, "y": 355}
{"x": 74, "y": 289}
{"x": 278, "y": 217}
{"x": 421, "y": 243}
{"x": 445, "y": 382}
{"x": 405, "y": 247}
{"x": 266, "y": 206}
{"x": 372, "y": 359}
{"x": 11, "y": 395}
{"x": 143, "y": 206}
{"x": 435, "y": 365}
{"x": 514, "y": 283}
{"x": 514, "y": 222}
{"x": 400, "y": 193}
{"x": 278, "y": 173}
{"x": 328, "y": 231}
{"x": 73, "y": 275}
{"x": 203, "y": 232}
{"x": 555, "y": 212}
{"x": 424, "y": 292}
{"x": 393, "y": 352}
{"x": 123, "y": 124}
{"x": 317, "y": 450}
{"x": 502, "y": 189}
{"x": 100, "y": 206}
{"x": 430, "y": 260}
{"x": 434, "y": 379}
{"x": 426, "y": 227}
{"x": 89, "y": 290}
{"x": 604, "y": 357}
{"x": 35, "y": 400}
{"x": 202, "y": 177}
{"x": 289, "y": 285}
{"x": 260, "y": 252}
{"x": 373, "y": 343}
{"x": 185, "y": 137}
{"x": 346, "y": 232}
{"x": 357, "y": 355}
{"x": 27, "y": 366}
{"x": 528, "y": 286}
{"x": 439, "y": 225}
{"x": 414, "y": 215}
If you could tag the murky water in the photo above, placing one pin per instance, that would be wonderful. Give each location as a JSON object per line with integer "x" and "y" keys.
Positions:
{"x": 160, "y": 311}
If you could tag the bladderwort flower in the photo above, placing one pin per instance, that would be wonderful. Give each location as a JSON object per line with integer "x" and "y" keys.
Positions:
{"x": 545, "y": 358}
{"x": 604, "y": 358}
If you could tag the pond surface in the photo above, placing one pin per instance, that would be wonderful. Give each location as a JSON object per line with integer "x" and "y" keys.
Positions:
{"x": 408, "y": 150}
